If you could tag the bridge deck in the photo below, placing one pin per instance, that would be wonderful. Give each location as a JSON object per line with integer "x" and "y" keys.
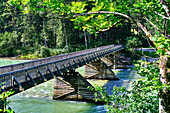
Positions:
{"x": 18, "y": 74}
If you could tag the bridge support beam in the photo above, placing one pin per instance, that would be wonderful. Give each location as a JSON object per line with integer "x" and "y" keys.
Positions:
{"x": 72, "y": 86}
{"x": 100, "y": 69}
{"x": 118, "y": 60}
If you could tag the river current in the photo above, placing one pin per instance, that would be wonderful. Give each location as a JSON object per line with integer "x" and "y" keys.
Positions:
{"x": 39, "y": 98}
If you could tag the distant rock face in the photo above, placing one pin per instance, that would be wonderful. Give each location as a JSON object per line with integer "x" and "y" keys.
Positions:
{"x": 44, "y": 90}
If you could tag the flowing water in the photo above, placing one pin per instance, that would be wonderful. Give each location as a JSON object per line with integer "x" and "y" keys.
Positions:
{"x": 39, "y": 99}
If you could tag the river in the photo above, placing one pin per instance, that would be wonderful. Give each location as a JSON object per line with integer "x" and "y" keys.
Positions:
{"x": 39, "y": 99}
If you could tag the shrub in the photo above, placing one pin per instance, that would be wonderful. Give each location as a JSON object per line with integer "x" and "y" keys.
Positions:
{"x": 58, "y": 51}
{"x": 4, "y": 102}
{"x": 141, "y": 98}
{"x": 45, "y": 52}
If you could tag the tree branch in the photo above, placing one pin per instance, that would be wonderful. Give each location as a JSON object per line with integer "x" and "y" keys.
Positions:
{"x": 148, "y": 34}
{"x": 162, "y": 16}
{"x": 120, "y": 21}
{"x": 153, "y": 24}
{"x": 123, "y": 15}
{"x": 104, "y": 12}
{"x": 165, "y": 7}
{"x": 145, "y": 30}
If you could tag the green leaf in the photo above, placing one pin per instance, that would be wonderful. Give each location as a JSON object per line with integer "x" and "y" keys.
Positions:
{"x": 161, "y": 46}
{"x": 76, "y": 27}
{"x": 154, "y": 38}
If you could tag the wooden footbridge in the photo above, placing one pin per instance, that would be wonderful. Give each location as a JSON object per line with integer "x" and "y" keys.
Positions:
{"x": 68, "y": 84}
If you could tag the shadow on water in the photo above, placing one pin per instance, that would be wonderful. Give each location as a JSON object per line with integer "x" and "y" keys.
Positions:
{"x": 126, "y": 76}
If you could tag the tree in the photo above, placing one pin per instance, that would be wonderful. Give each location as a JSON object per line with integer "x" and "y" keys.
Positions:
{"x": 105, "y": 14}
{"x": 7, "y": 43}
{"x": 133, "y": 42}
{"x": 55, "y": 26}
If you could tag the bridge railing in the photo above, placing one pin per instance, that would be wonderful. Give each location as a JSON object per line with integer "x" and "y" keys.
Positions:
{"x": 13, "y": 67}
{"x": 38, "y": 68}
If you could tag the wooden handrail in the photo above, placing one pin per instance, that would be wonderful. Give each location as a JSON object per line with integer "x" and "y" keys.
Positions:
{"x": 5, "y": 69}
{"x": 59, "y": 66}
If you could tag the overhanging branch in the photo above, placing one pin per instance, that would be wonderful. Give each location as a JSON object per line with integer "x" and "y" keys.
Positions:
{"x": 148, "y": 34}
{"x": 153, "y": 24}
{"x": 120, "y": 21}
{"x": 165, "y": 7}
{"x": 104, "y": 12}
{"x": 120, "y": 14}
{"x": 162, "y": 16}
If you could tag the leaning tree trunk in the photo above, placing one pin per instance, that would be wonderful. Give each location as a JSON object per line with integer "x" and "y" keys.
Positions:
{"x": 164, "y": 66}
{"x": 164, "y": 101}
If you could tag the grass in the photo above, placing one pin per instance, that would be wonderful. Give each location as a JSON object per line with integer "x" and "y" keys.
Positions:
{"x": 4, "y": 62}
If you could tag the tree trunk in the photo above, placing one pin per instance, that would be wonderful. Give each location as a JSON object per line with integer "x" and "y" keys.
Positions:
{"x": 109, "y": 35}
{"x": 101, "y": 39}
{"x": 56, "y": 44}
{"x": 85, "y": 38}
{"x": 55, "y": 36}
{"x": 89, "y": 40}
{"x": 44, "y": 34}
{"x": 16, "y": 26}
{"x": 24, "y": 36}
{"x": 164, "y": 100}
{"x": 54, "y": 33}
{"x": 65, "y": 35}
{"x": 164, "y": 94}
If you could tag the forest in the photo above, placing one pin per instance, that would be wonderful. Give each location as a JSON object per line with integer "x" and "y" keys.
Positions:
{"x": 42, "y": 34}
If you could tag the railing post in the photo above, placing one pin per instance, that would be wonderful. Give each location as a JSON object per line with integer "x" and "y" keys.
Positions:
{"x": 46, "y": 70}
{"x": 61, "y": 65}
{"x": 37, "y": 72}
{"x": 12, "y": 68}
{"x": 78, "y": 85}
{"x": 114, "y": 60}
{"x": 54, "y": 67}
{"x": 12, "y": 80}
{"x": 26, "y": 76}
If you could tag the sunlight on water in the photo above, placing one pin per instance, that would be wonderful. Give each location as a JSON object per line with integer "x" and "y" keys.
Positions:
{"x": 44, "y": 105}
